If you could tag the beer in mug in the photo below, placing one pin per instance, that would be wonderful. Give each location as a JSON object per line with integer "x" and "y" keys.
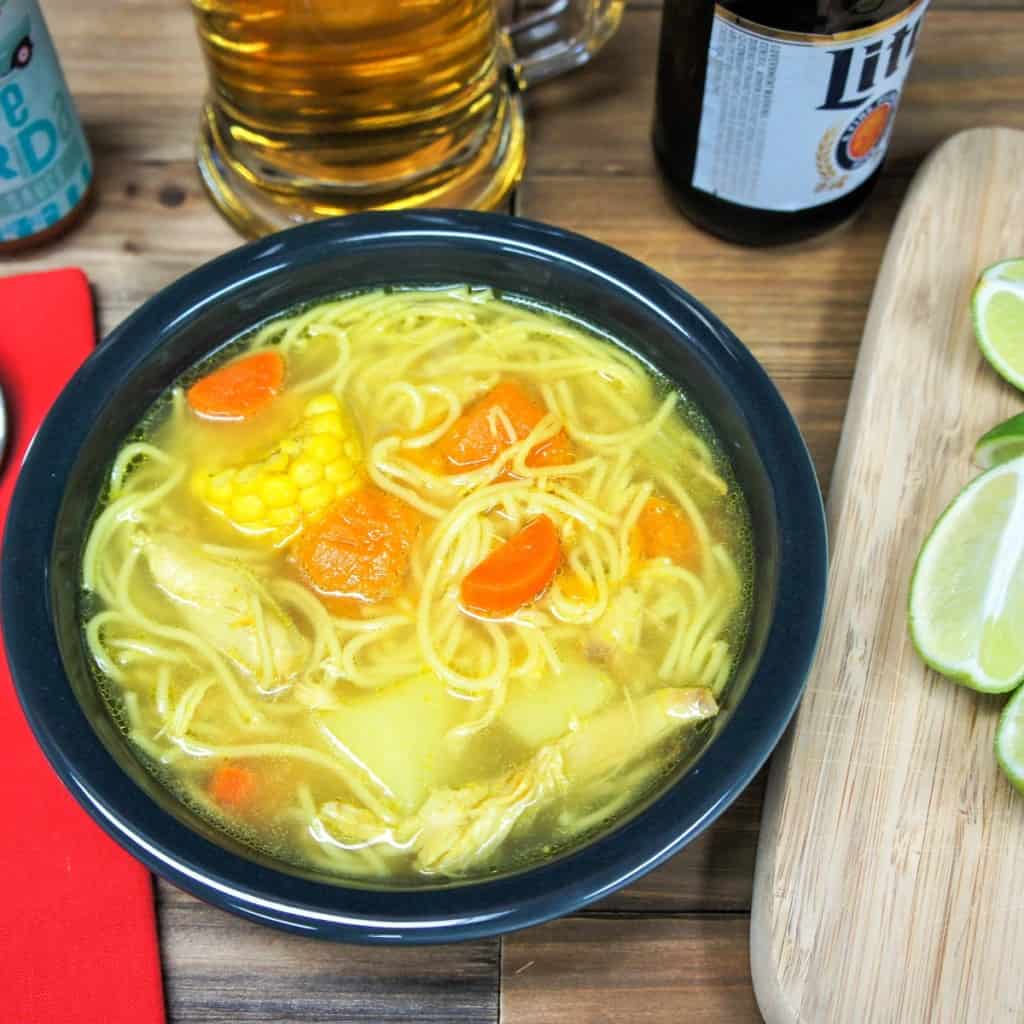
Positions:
{"x": 320, "y": 107}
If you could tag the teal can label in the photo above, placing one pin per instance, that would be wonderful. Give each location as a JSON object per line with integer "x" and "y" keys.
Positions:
{"x": 45, "y": 166}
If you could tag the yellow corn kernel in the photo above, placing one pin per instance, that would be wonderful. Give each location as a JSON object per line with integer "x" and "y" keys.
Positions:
{"x": 247, "y": 508}
{"x": 278, "y": 491}
{"x": 321, "y": 404}
{"x": 312, "y": 465}
{"x": 326, "y": 423}
{"x": 306, "y": 472}
{"x": 316, "y": 497}
{"x": 324, "y": 448}
{"x": 287, "y": 516}
{"x": 339, "y": 471}
{"x": 220, "y": 487}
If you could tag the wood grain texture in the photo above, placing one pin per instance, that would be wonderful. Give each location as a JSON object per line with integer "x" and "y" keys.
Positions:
{"x": 219, "y": 969}
{"x": 888, "y": 881}
{"x": 644, "y": 970}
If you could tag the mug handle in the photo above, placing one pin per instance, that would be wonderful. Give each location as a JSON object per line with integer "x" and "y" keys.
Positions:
{"x": 561, "y": 36}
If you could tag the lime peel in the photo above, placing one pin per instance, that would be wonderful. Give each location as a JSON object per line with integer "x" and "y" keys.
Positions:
{"x": 997, "y": 308}
{"x": 1001, "y": 443}
{"x": 962, "y": 595}
{"x": 1010, "y": 740}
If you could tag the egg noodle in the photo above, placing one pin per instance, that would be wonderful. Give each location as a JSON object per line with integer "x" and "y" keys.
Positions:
{"x": 407, "y": 364}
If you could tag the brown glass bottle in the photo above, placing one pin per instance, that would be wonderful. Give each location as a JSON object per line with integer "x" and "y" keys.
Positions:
{"x": 786, "y": 136}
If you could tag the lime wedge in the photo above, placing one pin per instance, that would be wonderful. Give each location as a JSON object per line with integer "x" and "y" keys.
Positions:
{"x": 1010, "y": 739}
{"x": 967, "y": 593}
{"x": 997, "y": 307}
{"x": 1001, "y": 443}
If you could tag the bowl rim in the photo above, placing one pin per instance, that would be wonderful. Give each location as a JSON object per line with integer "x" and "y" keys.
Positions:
{"x": 469, "y": 911}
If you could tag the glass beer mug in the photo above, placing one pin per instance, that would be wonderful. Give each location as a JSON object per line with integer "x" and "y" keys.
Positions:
{"x": 322, "y": 107}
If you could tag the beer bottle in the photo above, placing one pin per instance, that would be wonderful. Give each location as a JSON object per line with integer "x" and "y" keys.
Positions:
{"x": 772, "y": 119}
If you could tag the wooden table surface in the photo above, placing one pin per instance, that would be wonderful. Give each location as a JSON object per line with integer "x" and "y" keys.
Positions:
{"x": 674, "y": 946}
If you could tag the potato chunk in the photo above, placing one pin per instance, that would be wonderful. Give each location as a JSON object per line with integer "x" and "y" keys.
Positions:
{"x": 540, "y": 711}
{"x": 398, "y": 735}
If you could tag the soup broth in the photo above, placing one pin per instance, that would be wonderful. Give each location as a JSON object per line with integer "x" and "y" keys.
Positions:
{"x": 411, "y": 586}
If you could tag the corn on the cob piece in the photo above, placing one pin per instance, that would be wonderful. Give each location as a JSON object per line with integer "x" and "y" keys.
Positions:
{"x": 316, "y": 463}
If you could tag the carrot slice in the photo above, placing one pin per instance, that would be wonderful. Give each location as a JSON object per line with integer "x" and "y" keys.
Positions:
{"x": 483, "y": 431}
{"x": 240, "y": 389}
{"x": 664, "y": 530}
{"x": 359, "y": 549}
{"x": 232, "y": 785}
{"x": 517, "y": 572}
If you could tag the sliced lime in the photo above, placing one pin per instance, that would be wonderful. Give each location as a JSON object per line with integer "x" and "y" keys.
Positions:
{"x": 1001, "y": 443}
{"x": 997, "y": 307}
{"x": 967, "y": 593}
{"x": 1010, "y": 739}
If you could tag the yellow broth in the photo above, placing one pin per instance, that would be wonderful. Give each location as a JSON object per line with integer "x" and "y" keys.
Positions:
{"x": 408, "y": 739}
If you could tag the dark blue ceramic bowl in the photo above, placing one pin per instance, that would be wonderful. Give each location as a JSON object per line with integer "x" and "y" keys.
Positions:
{"x": 69, "y": 459}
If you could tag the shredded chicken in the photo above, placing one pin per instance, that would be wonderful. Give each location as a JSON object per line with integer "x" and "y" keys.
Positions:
{"x": 225, "y": 604}
{"x": 618, "y": 629}
{"x": 458, "y": 828}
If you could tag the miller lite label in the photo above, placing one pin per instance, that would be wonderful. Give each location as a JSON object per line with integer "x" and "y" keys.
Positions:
{"x": 793, "y": 120}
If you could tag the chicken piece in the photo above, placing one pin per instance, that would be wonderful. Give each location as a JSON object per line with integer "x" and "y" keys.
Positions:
{"x": 625, "y": 731}
{"x": 225, "y": 605}
{"x": 458, "y": 828}
{"x": 619, "y": 628}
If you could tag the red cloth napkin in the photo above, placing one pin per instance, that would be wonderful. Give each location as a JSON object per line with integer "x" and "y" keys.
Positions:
{"x": 77, "y": 929}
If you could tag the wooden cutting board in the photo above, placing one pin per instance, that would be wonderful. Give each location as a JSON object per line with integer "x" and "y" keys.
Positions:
{"x": 890, "y": 875}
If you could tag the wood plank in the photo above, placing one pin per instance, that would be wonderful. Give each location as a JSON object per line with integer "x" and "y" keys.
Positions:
{"x": 888, "y": 877}
{"x": 645, "y": 970}
{"x": 136, "y": 75}
{"x": 219, "y": 969}
{"x": 800, "y": 309}
{"x": 150, "y": 224}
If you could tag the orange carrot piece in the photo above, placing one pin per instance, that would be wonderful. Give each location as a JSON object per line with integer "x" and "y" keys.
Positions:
{"x": 480, "y": 435}
{"x": 359, "y": 549}
{"x": 239, "y": 389}
{"x": 516, "y": 573}
{"x": 428, "y": 458}
{"x": 664, "y": 530}
{"x": 555, "y": 452}
{"x": 232, "y": 785}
